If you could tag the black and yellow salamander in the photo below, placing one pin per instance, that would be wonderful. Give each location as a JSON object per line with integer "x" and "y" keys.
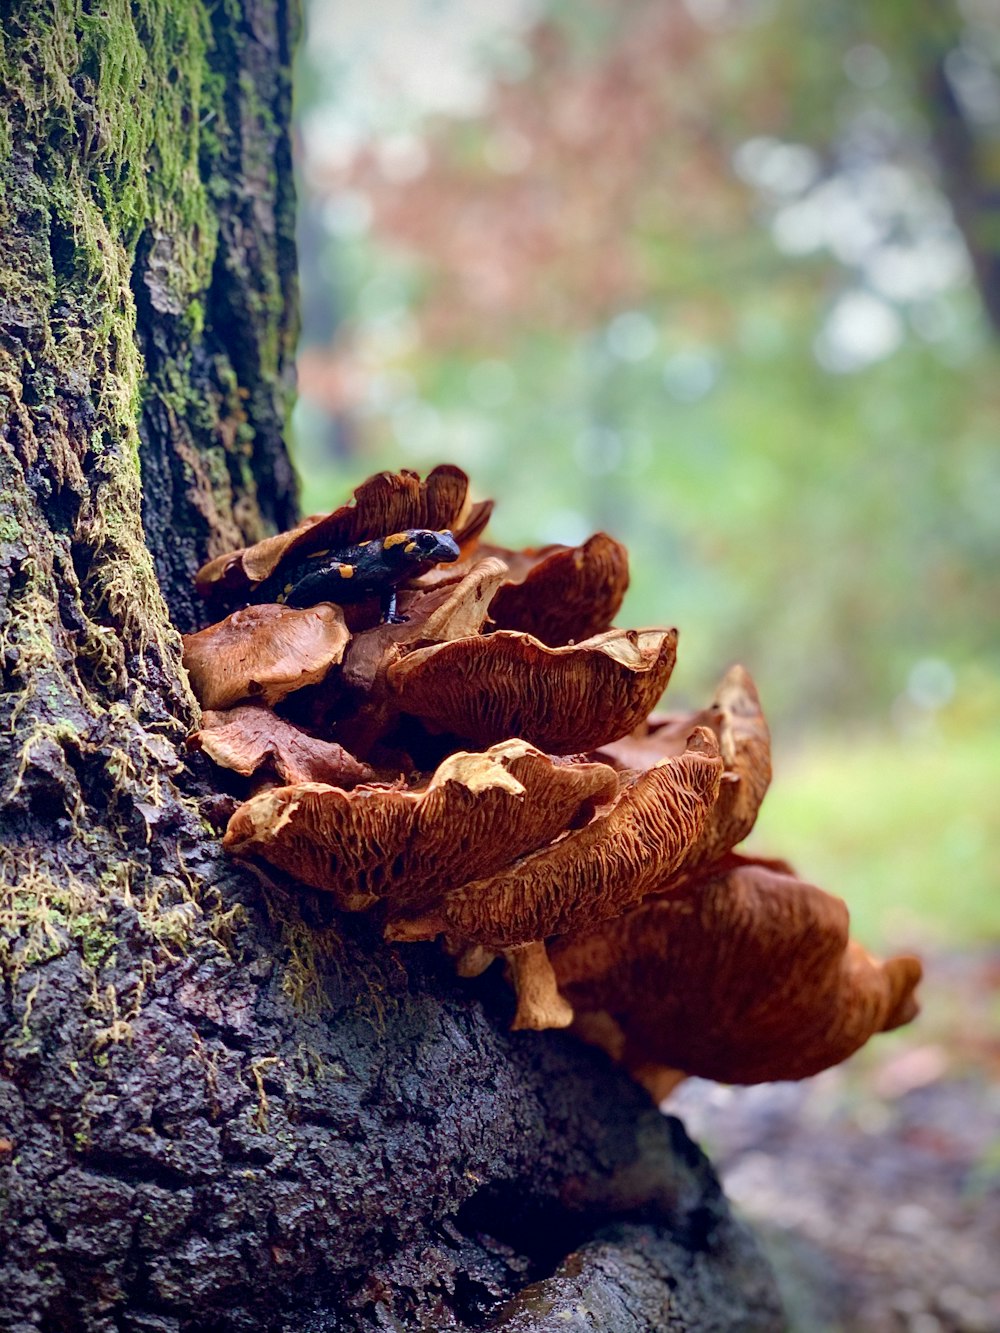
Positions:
{"x": 355, "y": 572}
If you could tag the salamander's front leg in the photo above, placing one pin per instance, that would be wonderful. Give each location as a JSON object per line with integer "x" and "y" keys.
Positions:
{"x": 389, "y": 616}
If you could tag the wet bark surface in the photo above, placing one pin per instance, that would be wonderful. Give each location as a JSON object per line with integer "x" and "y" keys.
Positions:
{"x": 395, "y": 1156}
{"x": 222, "y": 1107}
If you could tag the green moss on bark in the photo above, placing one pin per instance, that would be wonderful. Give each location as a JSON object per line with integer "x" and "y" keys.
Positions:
{"x": 127, "y": 132}
{"x": 122, "y": 91}
{"x": 108, "y": 106}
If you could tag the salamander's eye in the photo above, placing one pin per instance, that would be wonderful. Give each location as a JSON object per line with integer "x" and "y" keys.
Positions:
{"x": 427, "y": 543}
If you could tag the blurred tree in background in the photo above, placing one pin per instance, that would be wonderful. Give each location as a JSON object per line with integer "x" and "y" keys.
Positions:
{"x": 716, "y": 276}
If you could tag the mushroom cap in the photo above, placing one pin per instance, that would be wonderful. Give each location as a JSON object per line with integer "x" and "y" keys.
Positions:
{"x": 562, "y": 594}
{"x": 564, "y": 700}
{"x": 385, "y": 503}
{"x": 249, "y": 738}
{"x": 477, "y": 813}
{"x": 596, "y": 871}
{"x": 746, "y": 976}
{"x": 264, "y": 653}
{"x": 470, "y": 524}
{"x": 451, "y": 609}
{"x": 736, "y": 718}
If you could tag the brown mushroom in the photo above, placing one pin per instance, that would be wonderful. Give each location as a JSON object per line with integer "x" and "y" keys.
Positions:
{"x": 562, "y": 594}
{"x": 746, "y": 976}
{"x": 469, "y": 525}
{"x": 594, "y": 872}
{"x": 606, "y": 879}
{"x": 249, "y": 739}
{"x": 539, "y": 1004}
{"x": 477, "y": 813}
{"x": 264, "y": 653}
{"x": 387, "y": 502}
{"x": 745, "y": 744}
{"x": 563, "y": 700}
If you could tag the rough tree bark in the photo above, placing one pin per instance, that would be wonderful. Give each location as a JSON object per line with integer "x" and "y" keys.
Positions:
{"x": 221, "y": 1107}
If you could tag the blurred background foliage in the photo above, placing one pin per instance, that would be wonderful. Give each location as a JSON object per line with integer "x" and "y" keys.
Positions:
{"x": 721, "y": 277}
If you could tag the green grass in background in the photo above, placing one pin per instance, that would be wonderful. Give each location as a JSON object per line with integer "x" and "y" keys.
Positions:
{"x": 906, "y": 831}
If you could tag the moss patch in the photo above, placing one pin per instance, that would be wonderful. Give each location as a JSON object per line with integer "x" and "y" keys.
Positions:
{"x": 109, "y": 103}
{"x": 123, "y": 151}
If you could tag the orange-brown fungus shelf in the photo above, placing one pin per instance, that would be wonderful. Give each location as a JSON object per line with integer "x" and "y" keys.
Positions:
{"x": 264, "y": 653}
{"x": 745, "y": 975}
{"x": 482, "y": 762}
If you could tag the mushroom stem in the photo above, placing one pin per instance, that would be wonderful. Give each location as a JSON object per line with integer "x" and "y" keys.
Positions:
{"x": 473, "y": 961}
{"x": 600, "y": 1029}
{"x": 539, "y": 1004}
{"x": 658, "y": 1080}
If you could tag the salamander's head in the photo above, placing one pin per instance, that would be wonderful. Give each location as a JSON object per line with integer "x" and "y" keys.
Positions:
{"x": 421, "y": 547}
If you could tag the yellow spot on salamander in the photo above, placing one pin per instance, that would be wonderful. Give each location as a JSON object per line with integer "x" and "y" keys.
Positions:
{"x": 410, "y": 546}
{"x": 346, "y": 571}
{"x": 395, "y": 540}
{"x": 320, "y": 555}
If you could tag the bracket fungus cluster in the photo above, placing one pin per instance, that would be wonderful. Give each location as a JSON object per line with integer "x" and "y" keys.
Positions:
{"x": 464, "y": 743}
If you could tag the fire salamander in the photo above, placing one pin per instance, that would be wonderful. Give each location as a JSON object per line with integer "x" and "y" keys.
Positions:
{"x": 356, "y": 572}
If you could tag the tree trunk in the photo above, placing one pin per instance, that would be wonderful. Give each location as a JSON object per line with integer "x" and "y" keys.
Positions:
{"x": 222, "y": 1107}
{"x": 967, "y": 162}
